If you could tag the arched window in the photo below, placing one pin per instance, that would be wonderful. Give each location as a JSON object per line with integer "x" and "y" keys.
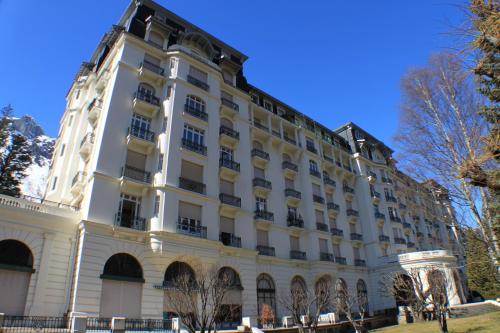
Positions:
{"x": 233, "y": 278}
{"x": 298, "y": 283}
{"x": 341, "y": 292}
{"x": 146, "y": 90}
{"x": 226, "y": 123}
{"x": 195, "y": 103}
{"x": 323, "y": 290}
{"x": 176, "y": 270}
{"x": 15, "y": 253}
{"x": 121, "y": 293}
{"x": 230, "y": 313}
{"x": 362, "y": 294}
{"x": 266, "y": 293}
{"x": 16, "y": 267}
{"x": 122, "y": 265}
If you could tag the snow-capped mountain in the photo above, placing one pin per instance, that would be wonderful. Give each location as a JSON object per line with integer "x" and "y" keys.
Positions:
{"x": 42, "y": 148}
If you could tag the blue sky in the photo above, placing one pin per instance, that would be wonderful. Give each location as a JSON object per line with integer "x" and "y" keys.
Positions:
{"x": 336, "y": 61}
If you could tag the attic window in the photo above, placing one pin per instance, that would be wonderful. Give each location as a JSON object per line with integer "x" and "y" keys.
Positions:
{"x": 255, "y": 99}
{"x": 268, "y": 106}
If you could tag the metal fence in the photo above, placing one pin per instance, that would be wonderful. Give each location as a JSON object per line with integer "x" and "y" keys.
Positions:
{"x": 102, "y": 325}
{"x": 25, "y": 324}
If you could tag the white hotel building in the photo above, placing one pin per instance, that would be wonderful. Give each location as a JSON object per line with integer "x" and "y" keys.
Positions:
{"x": 169, "y": 158}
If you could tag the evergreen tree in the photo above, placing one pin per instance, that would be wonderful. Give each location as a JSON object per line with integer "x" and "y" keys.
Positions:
{"x": 15, "y": 156}
{"x": 481, "y": 273}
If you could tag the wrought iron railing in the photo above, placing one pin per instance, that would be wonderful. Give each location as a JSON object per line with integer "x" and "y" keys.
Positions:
{"x": 264, "y": 215}
{"x": 147, "y": 97}
{"x": 191, "y": 227}
{"x": 329, "y": 182}
{"x": 192, "y": 185}
{"x": 384, "y": 238}
{"x": 289, "y": 165}
{"x": 141, "y": 133}
{"x": 359, "y": 262}
{"x": 229, "y": 199}
{"x": 356, "y": 237}
{"x": 229, "y": 132}
{"x": 129, "y": 221}
{"x": 196, "y": 112}
{"x": 318, "y": 199}
{"x": 230, "y": 104}
{"x": 260, "y": 153}
{"x": 266, "y": 250}
{"x": 341, "y": 260}
{"x": 315, "y": 173}
{"x": 333, "y": 206}
{"x": 134, "y": 173}
{"x": 322, "y": 226}
{"x": 88, "y": 138}
{"x": 198, "y": 83}
{"x": 229, "y": 239}
{"x": 290, "y": 192}
{"x": 337, "y": 232}
{"x": 194, "y": 146}
{"x": 260, "y": 182}
{"x": 294, "y": 221}
{"x": 153, "y": 67}
{"x": 325, "y": 256}
{"x": 299, "y": 255}
{"x": 399, "y": 240}
{"x": 352, "y": 212}
{"x": 229, "y": 164}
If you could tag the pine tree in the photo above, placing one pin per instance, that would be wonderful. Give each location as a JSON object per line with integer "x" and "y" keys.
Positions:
{"x": 481, "y": 273}
{"x": 15, "y": 156}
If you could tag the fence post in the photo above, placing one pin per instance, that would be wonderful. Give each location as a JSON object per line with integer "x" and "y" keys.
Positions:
{"x": 176, "y": 325}
{"x": 78, "y": 324}
{"x": 118, "y": 325}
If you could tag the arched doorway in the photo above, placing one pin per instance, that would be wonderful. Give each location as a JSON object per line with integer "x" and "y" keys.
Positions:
{"x": 122, "y": 281}
{"x": 362, "y": 295}
{"x": 266, "y": 293}
{"x": 16, "y": 267}
{"x": 231, "y": 309}
{"x": 175, "y": 271}
{"x": 341, "y": 293}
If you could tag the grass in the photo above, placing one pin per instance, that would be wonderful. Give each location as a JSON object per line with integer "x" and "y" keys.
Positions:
{"x": 485, "y": 323}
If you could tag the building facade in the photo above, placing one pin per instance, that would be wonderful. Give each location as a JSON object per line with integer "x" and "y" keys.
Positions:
{"x": 168, "y": 158}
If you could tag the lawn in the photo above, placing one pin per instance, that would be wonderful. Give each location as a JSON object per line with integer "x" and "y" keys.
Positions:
{"x": 485, "y": 323}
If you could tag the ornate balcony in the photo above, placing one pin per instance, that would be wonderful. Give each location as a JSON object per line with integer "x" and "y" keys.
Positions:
{"x": 263, "y": 218}
{"x": 230, "y": 200}
{"x": 136, "y": 174}
{"x": 325, "y": 256}
{"x": 375, "y": 197}
{"x": 266, "y": 250}
{"x": 311, "y": 148}
{"x": 146, "y": 102}
{"x": 292, "y": 196}
{"x": 356, "y": 236}
{"x": 131, "y": 222}
{"x": 294, "y": 221}
{"x": 399, "y": 240}
{"x": 140, "y": 138}
{"x": 260, "y": 157}
{"x": 229, "y": 239}
{"x": 336, "y": 232}
{"x": 198, "y": 83}
{"x": 318, "y": 199}
{"x": 379, "y": 216}
{"x": 387, "y": 180}
{"x": 261, "y": 186}
{"x": 230, "y": 105}
{"x": 229, "y": 168}
{"x": 94, "y": 110}
{"x": 298, "y": 255}
{"x": 333, "y": 209}
{"x": 152, "y": 72}
{"x": 406, "y": 225}
{"x": 196, "y": 112}
{"x": 194, "y": 147}
{"x": 352, "y": 212}
{"x": 315, "y": 173}
{"x": 372, "y": 177}
{"x": 359, "y": 263}
{"x": 78, "y": 183}
{"x": 289, "y": 169}
{"x": 228, "y": 136}
{"x": 390, "y": 198}
{"x": 322, "y": 227}
{"x": 192, "y": 185}
{"x": 340, "y": 260}
{"x": 86, "y": 145}
{"x": 395, "y": 219}
{"x": 384, "y": 238}
{"x": 191, "y": 227}
{"x": 410, "y": 245}
{"x": 330, "y": 184}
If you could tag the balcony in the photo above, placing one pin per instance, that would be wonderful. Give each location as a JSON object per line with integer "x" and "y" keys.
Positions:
{"x": 375, "y": 197}
{"x": 315, "y": 173}
{"x": 336, "y": 232}
{"x": 229, "y": 239}
{"x": 330, "y": 184}
{"x": 402, "y": 206}
{"x": 196, "y": 112}
{"x": 136, "y": 174}
{"x": 294, "y": 221}
{"x": 359, "y": 262}
{"x": 228, "y": 136}
{"x": 229, "y": 105}
{"x": 348, "y": 192}
{"x": 341, "y": 260}
{"x": 399, "y": 240}
{"x": 298, "y": 255}
{"x": 379, "y": 216}
{"x": 191, "y": 227}
{"x": 322, "y": 227}
{"x": 94, "y": 110}
{"x": 231, "y": 200}
{"x": 131, "y": 222}
{"x": 261, "y": 186}
{"x": 325, "y": 256}
{"x": 372, "y": 177}
{"x": 352, "y": 212}
{"x": 333, "y": 209}
{"x": 229, "y": 168}
{"x": 318, "y": 199}
{"x": 262, "y": 127}
{"x": 386, "y": 180}
{"x": 153, "y": 72}
{"x": 390, "y": 198}
{"x": 356, "y": 236}
{"x": 290, "y": 140}
{"x": 311, "y": 148}
{"x": 410, "y": 245}
{"x": 260, "y": 157}
{"x": 263, "y": 218}
{"x": 266, "y": 250}
{"x": 384, "y": 238}
{"x": 292, "y": 196}
{"x": 140, "y": 138}
{"x": 78, "y": 183}
{"x": 198, "y": 83}
{"x": 192, "y": 185}
{"x": 289, "y": 169}
{"x": 194, "y": 147}
{"x": 328, "y": 159}
{"x": 406, "y": 225}
{"x": 395, "y": 219}
{"x": 146, "y": 102}
{"x": 86, "y": 145}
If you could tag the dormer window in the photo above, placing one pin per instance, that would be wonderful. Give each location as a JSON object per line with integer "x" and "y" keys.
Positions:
{"x": 268, "y": 105}
{"x": 255, "y": 99}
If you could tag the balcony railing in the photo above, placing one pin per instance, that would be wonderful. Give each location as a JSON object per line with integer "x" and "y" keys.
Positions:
{"x": 230, "y": 104}
{"x": 148, "y": 98}
{"x": 372, "y": 174}
{"x": 379, "y": 215}
{"x": 229, "y": 239}
{"x": 315, "y": 173}
{"x": 260, "y": 182}
{"x": 352, "y": 212}
{"x": 128, "y": 221}
{"x": 311, "y": 148}
{"x": 318, "y": 199}
{"x": 229, "y": 199}
{"x": 406, "y": 225}
{"x": 375, "y": 194}
{"x": 402, "y": 206}
{"x": 396, "y": 219}
{"x": 333, "y": 206}
{"x": 153, "y": 67}
{"x": 390, "y": 198}
{"x": 260, "y": 153}
{"x": 289, "y": 166}
{"x": 348, "y": 189}
{"x": 198, "y": 83}
{"x": 290, "y": 140}
{"x": 384, "y": 238}
{"x": 192, "y": 185}
{"x": 229, "y": 132}
{"x": 264, "y": 215}
{"x": 386, "y": 180}
{"x": 294, "y": 221}
{"x": 229, "y": 164}
{"x": 290, "y": 192}
{"x": 88, "y": 138}
{"x": 410, "y": 245}
{"x": 337, "y": 232}
{"x": 341, "y": 260}
{"x": 325, "y": 256}
{"x": 141, "y": 133}
{"x": 136, "y": 174}
{"x": 322, "y": 226}
{"x": 356, "y": 236}
{"x": 328, "y": 158}
{"x": 359, "y": 262}
{"x": 194, "y": 146}
{"x": 191, "y": 227}
{"x": 399, "y": 240}
{"x": 330, "y": 182}
{"x": 196, "y": 112}
{"x": 299, "y": 255}
{"x": 266, "y": 250}
{"x": 259, "y": 125}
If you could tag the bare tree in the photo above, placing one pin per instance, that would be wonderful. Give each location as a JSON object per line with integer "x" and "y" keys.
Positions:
{"x": 440, "y": 131}
{"x": 197, "y": 300}
{"x": 353, "y": 305}
{"x": 437, "y": 285}
{"x": 306, "y": 306}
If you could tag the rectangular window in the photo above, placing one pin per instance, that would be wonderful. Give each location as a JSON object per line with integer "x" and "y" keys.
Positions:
{"x": 189, "y": 211}
{"x": 259, "y": 173}
{"x": 262, "y": 238}
{"x": 226, "y": 153}
{"x": 160, "y": 162}
{"x": 77, "y": 94}
{"x": 320, "y": 216}
{"x": 157, "y": 205}
{"x": 323, "y": 245}
{"x": 260, "y": 204}
{"x": 70, "y": 121}
{"x": 198, "y": 74}
{"x": 268, "y": 105}
{"x": 54, "y": 183}
{"x": 192, "y": 171}
{"x": 226, "y": 187}
{"x": 316, "y": 189}
{"x": 355, "y": 251}
{"x": 336, "y": 250}
{"x": 63, "y": 147}
{"x": 294, "y": 243}
{"x": 193, "y": 135}
{"x": 169, "y": 92}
